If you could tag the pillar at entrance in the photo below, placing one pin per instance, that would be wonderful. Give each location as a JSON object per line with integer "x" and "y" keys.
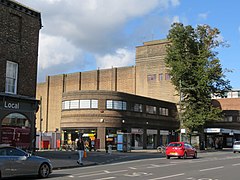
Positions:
{"x": 101, "y": 134}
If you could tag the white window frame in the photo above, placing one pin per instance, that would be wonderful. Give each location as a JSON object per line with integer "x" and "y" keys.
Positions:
{"x": 11, "y": 74}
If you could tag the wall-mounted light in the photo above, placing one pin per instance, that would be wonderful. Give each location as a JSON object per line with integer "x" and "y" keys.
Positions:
{"x": 123, "y": 121}
{"x": 147, "y": 122}
{"x": 101, "y": 120}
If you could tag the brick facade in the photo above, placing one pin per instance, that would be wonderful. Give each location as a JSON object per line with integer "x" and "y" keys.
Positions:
{"x": 19, "y": 36}
{"x": 19, "y": 32}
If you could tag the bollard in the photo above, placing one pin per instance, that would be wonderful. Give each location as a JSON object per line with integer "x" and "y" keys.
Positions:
{"x": 110, "y": 149}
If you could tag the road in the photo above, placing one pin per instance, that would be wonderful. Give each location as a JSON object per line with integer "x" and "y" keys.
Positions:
{"x": 208, "y": 166}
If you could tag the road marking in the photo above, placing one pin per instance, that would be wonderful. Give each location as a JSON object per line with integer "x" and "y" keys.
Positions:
{"x": 135, "y": 174}
{"x": 166, "y": 177}
{"x": 157, "y": 166}
{"x": 209, "y": 169}
{"x": 101, "y": 173}
{"x": 236, "y": 164}
{"x": 105, "y": 178}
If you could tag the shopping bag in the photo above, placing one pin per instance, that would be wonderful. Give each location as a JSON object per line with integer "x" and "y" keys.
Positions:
{"x": 84, "y": 154}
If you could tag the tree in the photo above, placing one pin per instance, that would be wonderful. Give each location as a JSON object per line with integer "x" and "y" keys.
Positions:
{"x": 196, "y": 72}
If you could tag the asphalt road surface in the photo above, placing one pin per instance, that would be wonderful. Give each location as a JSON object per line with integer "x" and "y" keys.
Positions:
{"x": 208, "y": 166}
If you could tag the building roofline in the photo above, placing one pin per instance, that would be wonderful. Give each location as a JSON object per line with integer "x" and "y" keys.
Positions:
{"x": 22, "y": 8}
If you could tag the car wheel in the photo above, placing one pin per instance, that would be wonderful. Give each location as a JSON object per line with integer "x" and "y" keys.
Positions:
{"x": 44, "y": 170}
{"x": 234, "y": 151}
{"x": 185, "y": 156}
{"x": 195, "y": 155}
{"x": 168, "y": 157}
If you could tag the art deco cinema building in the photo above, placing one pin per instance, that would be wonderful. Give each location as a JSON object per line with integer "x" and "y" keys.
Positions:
{"x": 139, "y": 100}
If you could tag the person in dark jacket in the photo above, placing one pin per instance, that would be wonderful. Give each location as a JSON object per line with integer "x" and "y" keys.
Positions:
{"x": 80, "y": 148}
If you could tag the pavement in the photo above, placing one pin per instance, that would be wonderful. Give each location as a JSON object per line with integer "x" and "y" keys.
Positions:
{"x": 68, "y": 159}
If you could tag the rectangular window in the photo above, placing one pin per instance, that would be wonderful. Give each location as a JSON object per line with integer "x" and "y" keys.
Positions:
{"x": 74, "y": 104}
{"x": 151, "y": 109}
{"x": 80, "y": 104}
{"x": 167, "y": 76}
{"x": 163, "y": 111}
{"x": 66, "y": 105}
{"x": 109, "y": 104}
{"x": 228, "y": 119}
{"x": 137, "y": 108}
{"x": 11, "y": 77}
{"x": 85, "y": 104}
{"x": 94, "y": 104}
{"x": 151, "y": 77}
{"x": 118, "y": 105}
{"x": 160, "y": 77}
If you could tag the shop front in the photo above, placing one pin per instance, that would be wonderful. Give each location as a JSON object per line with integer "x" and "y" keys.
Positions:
{"x": 70, "y": 137}
{"x": 137, "y": 138}
{"x": 219, "y": 138}
{"x": 17, "y": 121}
{"x": 164, "y": 137}
{"x": 151, "y": 138}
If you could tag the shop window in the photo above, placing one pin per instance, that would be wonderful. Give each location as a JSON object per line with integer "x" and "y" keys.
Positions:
{"x": 11, "y": 77}
{"x": 16, "y": 130}
{"x": 16, "y": 120}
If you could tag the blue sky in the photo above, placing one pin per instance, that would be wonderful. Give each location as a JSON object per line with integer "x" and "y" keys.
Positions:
{"x": 83, "y": 35}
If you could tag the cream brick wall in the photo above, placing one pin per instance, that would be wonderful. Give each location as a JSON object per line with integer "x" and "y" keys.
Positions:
{"x": 126, "y": 80}
{"x": 106, "y": 77}
{"x": 150, "y": 61}
{"x": 55, "y": 102}
{"x": 72, "y": 82}
{"x": 42, "y": 92}
{"x": 89, "y": 80}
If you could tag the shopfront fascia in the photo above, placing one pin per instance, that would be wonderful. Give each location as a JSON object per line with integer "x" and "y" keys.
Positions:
{"x": 219, "y": 138}
{"x": 17, "y": 120}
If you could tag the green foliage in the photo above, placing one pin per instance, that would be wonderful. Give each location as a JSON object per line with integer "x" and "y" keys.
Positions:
{"x": 196, "y": 72}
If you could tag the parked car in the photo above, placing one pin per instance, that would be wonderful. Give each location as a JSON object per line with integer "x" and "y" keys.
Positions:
{"x": 180, "y": 150}
{"x": 16, "y": 162}
{"x": 236, "y": 146}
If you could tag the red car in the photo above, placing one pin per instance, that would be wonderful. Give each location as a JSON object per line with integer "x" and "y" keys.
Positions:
{"x": 180, "y": 149}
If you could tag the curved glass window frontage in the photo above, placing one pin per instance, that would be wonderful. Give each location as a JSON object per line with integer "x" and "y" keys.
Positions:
{"x": 16, "y": 130}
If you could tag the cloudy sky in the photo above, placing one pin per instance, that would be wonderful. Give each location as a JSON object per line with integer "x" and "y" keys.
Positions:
{"x": 84, "y": 35}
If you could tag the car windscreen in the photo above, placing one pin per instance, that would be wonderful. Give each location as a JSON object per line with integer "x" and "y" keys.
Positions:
{"x": 237, "y": 143}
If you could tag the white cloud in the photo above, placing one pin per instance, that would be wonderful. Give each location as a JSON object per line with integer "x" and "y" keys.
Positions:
{"x": 203, "y": 15}
{"x": 55, "y": 50}
{"x": 122, "y": 57}
{"x": 72, "y": 28}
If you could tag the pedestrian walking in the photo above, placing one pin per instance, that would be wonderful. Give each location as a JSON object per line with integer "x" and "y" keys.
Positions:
{"x": 80, "y": 148}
